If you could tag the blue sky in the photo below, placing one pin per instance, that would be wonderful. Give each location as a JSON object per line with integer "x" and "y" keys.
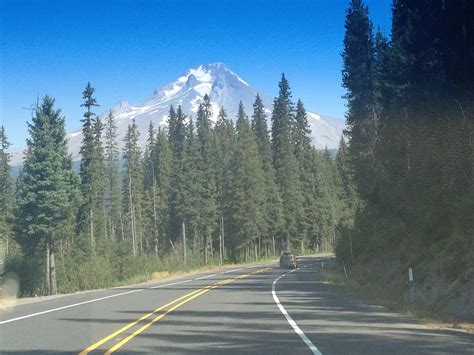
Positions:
{"x": 129, "y": 48}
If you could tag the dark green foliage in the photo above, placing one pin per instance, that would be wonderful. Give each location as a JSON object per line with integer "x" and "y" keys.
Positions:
{"x": 92, "y": 170}
{"x": 212, "y": 179}
{"x": 359, "y": 78}
{"x": 113, "y": 196}
{"x": 247, "y": 194}
{"x": 187, "y": 189}
{"x": 225, "y": 140}
{"x": 207, "y": 220}
{"x": 348, "y": 194}
{"x": 46, "y": 190}
{"x": 285, "y": 162}
{"x": 413, "y": 168}
{"x": 273, "y": 216}
{"x": 152, "y": 201}
{"x": 6, "y": 192}
{"x": 163, "y": 163}
{"x": 133, "y": 188}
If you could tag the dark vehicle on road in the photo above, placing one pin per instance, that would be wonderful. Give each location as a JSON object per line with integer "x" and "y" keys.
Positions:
{"x": 288, "y": 260}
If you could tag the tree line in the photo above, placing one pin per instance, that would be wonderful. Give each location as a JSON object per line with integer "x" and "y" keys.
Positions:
{"x": 197, "y": 193}
{"x": 410, "y": 124}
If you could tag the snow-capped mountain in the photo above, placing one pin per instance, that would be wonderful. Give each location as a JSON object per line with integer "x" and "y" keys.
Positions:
{"x": 224, "y": 87}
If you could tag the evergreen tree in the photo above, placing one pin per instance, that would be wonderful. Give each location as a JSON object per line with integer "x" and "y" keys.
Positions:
{"x": 163, "y": 163}
{"x": 6, "y": 191}
{"x": 44, "y": 190}
{"x": 285, "y": 162}
{"x": 358, "y": 77}
{"x": 133, "y": 187}
{"x": 302, "y": 140}
{"x": 188, "y": 183}
{"x": 347, "y": 188}
{"x": 177, "y": 132}
{"x": 151, "y": 199}
{"x": 274, "y": 213}
{"x": 308, "y": 164}
{"x": 225, "y": 140}
{"x": 206, "y": 169}
{"x": 92, "y": 168}
{"x": 247, "y": 200}
{"x": 319, "y": 201}
{"x": 113, "y": 196}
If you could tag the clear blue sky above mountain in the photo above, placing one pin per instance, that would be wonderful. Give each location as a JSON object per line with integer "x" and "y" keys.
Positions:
{"x": 129, "y": 48}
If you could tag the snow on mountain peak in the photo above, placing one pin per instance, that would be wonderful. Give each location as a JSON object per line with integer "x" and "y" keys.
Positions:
{"x": 201, "y": 79}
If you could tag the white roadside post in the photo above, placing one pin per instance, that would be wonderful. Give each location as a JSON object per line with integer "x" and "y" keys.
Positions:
{"x": 411, "y": 289}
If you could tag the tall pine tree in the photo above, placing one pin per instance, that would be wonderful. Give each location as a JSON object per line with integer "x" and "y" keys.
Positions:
{"x": 247, "y": 192}
{"x": 133, "y": 187}
{"x": 92, "y": 169}
{"x": 6, "y": 185}
{"x": 274, "y": 211}
{"x": 206, "y": 168}
{"x": 113, "y": 196}
{"x": 44, "y": 190}
{"x": 285, "y": 162}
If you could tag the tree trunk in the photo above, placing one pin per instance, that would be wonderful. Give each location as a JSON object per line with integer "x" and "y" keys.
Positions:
{"x": 195, "y": 241}
{"x": 104, "y": 220}
{"x": 184, "y": 243}
{"x": 220, "y": 248}
{"x": 121, "y": 226}
{"x": 47, "y": 278}
{"x": 140, "y": 234}
{"x": 132, "y": 216}
{"x": 211, "y": 247}
{"x": 155, "y": 217}
{"x": 223, "y": 240}
{"x": 91, "y": 216}
{"x": 52, "y": 273}
{"x": 205, "y": 250}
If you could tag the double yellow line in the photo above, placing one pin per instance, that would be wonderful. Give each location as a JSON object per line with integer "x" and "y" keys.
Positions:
{"x": 165, "y": 309}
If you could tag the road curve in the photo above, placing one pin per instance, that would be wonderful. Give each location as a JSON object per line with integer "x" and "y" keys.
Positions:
{"x": 242, "y": 310}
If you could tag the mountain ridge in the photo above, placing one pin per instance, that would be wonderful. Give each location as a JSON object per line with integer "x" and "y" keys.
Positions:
{"x": 225, "y": 89}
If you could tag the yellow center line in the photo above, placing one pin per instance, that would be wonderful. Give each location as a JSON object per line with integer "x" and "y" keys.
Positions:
{"x": 156, "y": 319}
{"x": 184, "y": 299}
{"x": 128, "y": 326}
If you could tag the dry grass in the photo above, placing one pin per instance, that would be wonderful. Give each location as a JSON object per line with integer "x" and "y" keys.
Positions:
{"x": 334, "y": 276}
{"x": 462, "y": 326}
{"x": 166, "y": 275}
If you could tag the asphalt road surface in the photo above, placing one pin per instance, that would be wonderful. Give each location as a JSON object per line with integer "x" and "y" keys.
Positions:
{"x": 260, "y": 309}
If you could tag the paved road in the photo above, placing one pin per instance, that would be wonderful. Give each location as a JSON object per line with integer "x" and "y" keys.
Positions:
{"x": 228, "y": 311}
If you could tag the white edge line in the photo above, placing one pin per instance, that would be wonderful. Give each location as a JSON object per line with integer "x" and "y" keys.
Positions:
{"x": 85, "y": 302}
{"x": 290, "y": 320}
{"x": 226, "y": 272}
{"x": 96, "y": 300}
{"x": 205, "y": 277}
{"x": 68, "y": 306}
{"x": 173, "y": 283}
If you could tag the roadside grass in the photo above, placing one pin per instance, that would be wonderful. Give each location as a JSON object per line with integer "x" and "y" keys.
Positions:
{"x": 196, "y": 268}
{"x": 393, "y": 295}
{"x": 98, "y": 273}
{"x": 160, "y": 271}
{"x": 188, "y": 271}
